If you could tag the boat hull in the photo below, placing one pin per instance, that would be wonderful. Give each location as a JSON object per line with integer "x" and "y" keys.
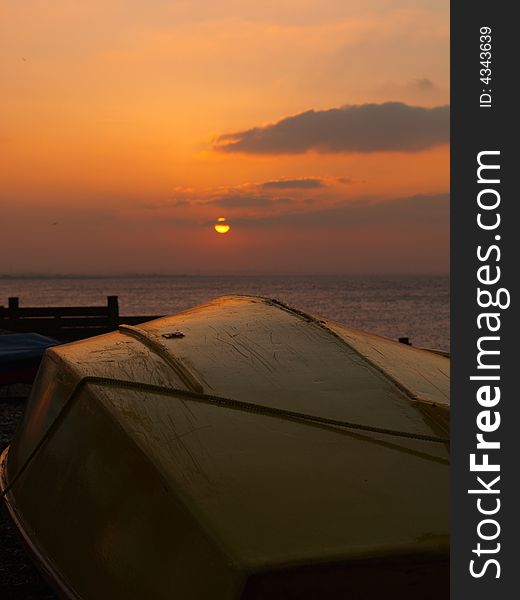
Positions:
{"x": 170, "y": 462}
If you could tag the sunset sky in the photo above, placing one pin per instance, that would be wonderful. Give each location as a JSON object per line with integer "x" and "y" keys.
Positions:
{"x": 318, "y": 128}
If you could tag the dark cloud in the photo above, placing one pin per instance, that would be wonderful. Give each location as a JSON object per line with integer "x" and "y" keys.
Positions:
{"x": 248, "y": 201}
{"x": 240, "y": 201}
{"x": 424, "y": 84}
{"x": 415, "y": 211}
{"x": 284, "y": 184}
{"x": 178, "y": 203}
{"x": 392, "y": 126}
{"x": 161, "y": 205}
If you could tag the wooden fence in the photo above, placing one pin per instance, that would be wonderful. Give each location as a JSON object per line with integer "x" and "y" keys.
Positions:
{"x": 65, "y": 323}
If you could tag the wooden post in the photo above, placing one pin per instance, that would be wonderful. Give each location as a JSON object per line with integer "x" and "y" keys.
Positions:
{"x": 113, "y": 311}
{"x": 12, "y": 309}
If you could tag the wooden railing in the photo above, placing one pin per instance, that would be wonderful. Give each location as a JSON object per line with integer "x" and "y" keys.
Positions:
{"x": 65, "y": 322}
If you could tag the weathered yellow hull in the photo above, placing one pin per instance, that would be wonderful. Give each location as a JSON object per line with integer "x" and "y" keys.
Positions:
{"x": 238, "y": 450}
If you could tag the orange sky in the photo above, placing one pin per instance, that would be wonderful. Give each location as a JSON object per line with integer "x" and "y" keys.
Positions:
{"x": 112, "y": 155}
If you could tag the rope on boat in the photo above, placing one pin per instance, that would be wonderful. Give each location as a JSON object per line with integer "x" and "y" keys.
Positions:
{"x": 209, "y": 399}
{"x": 253, "y": 407}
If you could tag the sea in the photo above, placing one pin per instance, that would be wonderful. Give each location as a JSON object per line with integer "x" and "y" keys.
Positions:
{"x": 417, "y": 307}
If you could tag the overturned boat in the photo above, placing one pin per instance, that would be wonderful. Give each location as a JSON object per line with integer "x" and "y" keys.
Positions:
{"x": 239, "y": 450}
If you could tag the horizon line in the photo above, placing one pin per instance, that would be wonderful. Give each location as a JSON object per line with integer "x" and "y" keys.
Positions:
{"x": 122, "y": 275}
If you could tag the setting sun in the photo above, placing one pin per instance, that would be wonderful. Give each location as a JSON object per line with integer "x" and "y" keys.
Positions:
{"x": 221, "y": 226}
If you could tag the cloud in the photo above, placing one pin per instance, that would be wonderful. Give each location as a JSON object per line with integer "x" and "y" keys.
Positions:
{"x": 284, "y": 184}
{"x": 248, "y": 201}
{"x": 424, "y": 84}
{"x": 414, "y": 211}
{"x": 166, "y": 204}
{"x": 388, "y": 127}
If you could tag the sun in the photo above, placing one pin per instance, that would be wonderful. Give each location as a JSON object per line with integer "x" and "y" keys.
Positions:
{"x": 221, "y": 226}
